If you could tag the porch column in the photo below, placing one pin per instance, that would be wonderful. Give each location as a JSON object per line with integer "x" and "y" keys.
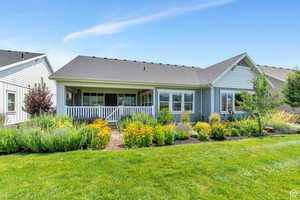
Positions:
{"x": 60, "y": 99}
{"x": 153, "y": 103}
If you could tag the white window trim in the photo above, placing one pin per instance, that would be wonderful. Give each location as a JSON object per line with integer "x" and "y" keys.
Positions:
{"x": 233, "y": 92}
{"x": 182, "y": 92}
{"x": 15, "y": 108}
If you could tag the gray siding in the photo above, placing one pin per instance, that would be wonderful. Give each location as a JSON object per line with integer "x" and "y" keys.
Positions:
{"x": 217, "y": 101}
{"x": 206, "y": 104}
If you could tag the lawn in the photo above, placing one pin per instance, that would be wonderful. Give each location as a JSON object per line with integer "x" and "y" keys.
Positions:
{"x": 258, "y": 168}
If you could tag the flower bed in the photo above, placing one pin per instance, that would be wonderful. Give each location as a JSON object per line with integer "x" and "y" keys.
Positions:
{"x": 54, "y": 134}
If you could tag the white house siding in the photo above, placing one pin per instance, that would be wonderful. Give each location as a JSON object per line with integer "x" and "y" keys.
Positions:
{"x": 239, "y": 77}
{"x": 18, "y": 79}
{"x": 19, "y": 115}
{"x": 28, "y": 74}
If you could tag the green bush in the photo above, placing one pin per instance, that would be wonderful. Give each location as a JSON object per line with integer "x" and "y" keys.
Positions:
{"x": 203, "y": 136}
{"x": 141, "y": 117}
{"x": 165, "y": 117}
{"x": 214, "y": 118}
{"x": 31, "y": 140}
{"x": 281, "y": 127}
{"x": 48, "y": 121}
{"x": 8, "y": 140}
{"x": 234, "y": 132}
{"x": 159, "y": 135}
{"x": 218, "y": 131}
{"x": 183, "y": 134}
{"x": 246, "y": 127}
{"x": 169, "y": 134}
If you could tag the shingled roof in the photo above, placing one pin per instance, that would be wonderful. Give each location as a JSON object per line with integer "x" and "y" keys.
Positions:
{"x": 276, "y": 72}
{"x": 8, "y": 57}
{"x": 104, "y": 69}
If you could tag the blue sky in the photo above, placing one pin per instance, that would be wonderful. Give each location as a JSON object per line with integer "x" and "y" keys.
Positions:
{"x": 191, "y": 32}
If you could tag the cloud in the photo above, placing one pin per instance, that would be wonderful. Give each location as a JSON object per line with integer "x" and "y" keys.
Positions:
{"x": 116, "y": 27}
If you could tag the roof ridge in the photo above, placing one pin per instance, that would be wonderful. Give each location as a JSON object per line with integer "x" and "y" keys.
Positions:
{"x": 144, "y": 62}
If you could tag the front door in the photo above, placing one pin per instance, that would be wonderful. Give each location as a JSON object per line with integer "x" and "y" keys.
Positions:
{"x": 111, "y": 100}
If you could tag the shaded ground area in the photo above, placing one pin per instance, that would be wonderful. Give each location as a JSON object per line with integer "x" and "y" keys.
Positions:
{"x": 256, "y": 168}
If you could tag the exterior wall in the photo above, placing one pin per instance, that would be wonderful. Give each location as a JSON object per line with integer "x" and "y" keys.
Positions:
{"x": 18, "y": 79}
{"x": 206, "y": 103}
{"x": 19, "y": 115}
{"x": 28, "y": 74}
{"x": 194, "y": 117}
{"x": 217, "y": 101}
{"x": 239, "y": 77}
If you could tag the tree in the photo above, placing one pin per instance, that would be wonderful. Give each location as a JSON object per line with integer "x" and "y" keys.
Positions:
{"x": 261, "y": 102}
{"x": 38, "y": 100}
{"x": 291, "y": 89}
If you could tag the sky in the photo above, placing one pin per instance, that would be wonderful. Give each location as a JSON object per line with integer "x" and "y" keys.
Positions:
{"x": 191, "y": 32}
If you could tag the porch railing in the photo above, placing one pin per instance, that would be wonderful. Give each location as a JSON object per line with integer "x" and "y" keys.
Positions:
{"x": 109, "y": 113}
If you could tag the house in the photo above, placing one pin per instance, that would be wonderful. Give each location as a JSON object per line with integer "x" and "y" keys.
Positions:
{"x": 278, "y": 76}
{"x": 18, "y": 72}
{"x": 89, "y": 87}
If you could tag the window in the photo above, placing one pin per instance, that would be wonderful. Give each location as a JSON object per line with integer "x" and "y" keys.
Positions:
{"x": 11, "y": 102}
{"x": 93, "y": 99}
{"x": 146, "y": 99}
{"x": 237, "y": 99}
{"x": 230, "y": 101}
{"x": 164, "y": 100}
{"x": 176, "y": 101}
{"x": 126, "y": 99}
{"x": 188, "y": 102}
{"x": 224, "y": 102}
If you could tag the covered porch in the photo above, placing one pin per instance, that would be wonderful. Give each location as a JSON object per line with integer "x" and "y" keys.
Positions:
{"x": 109, "y": 103}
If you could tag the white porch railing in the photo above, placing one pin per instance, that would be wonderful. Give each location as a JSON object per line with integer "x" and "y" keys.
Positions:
{"x": 109, "y": 113}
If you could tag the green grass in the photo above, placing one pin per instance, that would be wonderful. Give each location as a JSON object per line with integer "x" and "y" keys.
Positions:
{"x": 259, "y": 168}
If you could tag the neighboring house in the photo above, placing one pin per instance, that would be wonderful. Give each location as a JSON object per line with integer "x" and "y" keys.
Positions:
{"x": 278, "y": 76}
{"x": 89, "y": 87}
{"x": 18, "y": 72}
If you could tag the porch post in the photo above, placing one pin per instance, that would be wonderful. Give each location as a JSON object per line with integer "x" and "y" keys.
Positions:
{"x": 153, "y": 103}
{"x": 60, "y": 97}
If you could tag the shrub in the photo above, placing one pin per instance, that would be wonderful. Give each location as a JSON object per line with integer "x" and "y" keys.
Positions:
{"x": 214, "y": 118}
{"x": 144, "y": 118}
{"x": 2, "y": 119}
{"x": 282, "y": 116}
{"x": 38, "y": 100}
{"x": 159, "y": 136}
{"x": 48, "y": 121}
{"x": 218, "y": 131}
{"x": 169, "y": 134}
{"x": 234, "y": 132}
{"x": 138, "y": 134}
{"x": 246, "y": 127}
{"x": 203, "y": 129}
{"x": 8, "y": 140}
{"x": 103, "y": 133}
{"x": 145, "y": 136}
{"x": 203, "y": 136}
{"x": 165, "y": 117}
{"x": 185, "y": 118}
{"x": 30, "y": 139}
{"x": 281, "y": 126}
{"x": 130, "y": 134}
{"x": 183, "y": 134}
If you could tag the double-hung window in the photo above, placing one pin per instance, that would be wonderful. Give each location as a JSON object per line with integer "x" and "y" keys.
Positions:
{"x": 230, "y": 101}
{"x": 93, "y": 99}
{"x": 176, "y": 100}
{"x": 11, "y": 101}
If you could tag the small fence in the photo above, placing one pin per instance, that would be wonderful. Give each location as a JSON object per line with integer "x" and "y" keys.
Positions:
{"x": 109, "y": 113}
